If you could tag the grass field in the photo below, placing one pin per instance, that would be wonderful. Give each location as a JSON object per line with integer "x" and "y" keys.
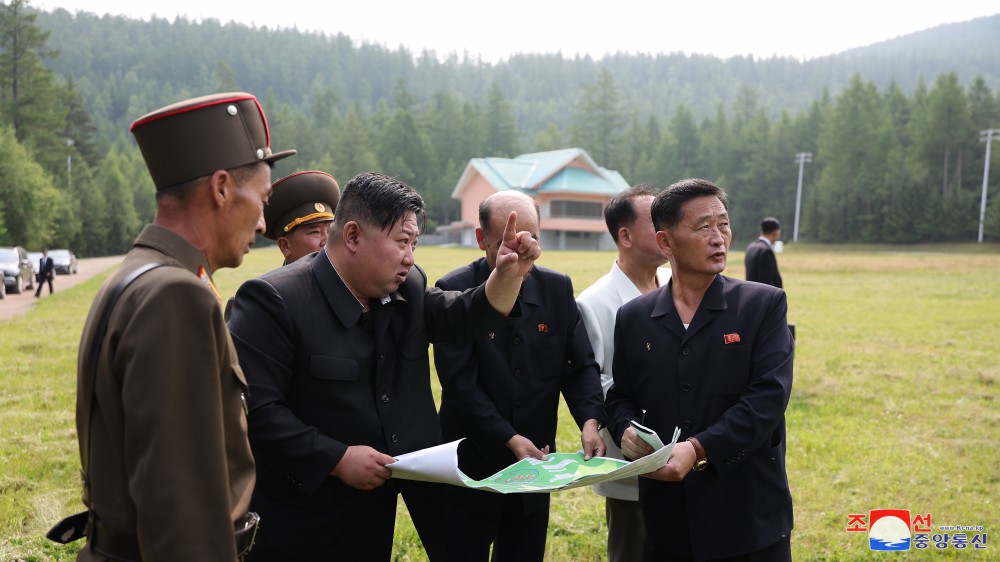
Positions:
{"x": 895, "y": 401}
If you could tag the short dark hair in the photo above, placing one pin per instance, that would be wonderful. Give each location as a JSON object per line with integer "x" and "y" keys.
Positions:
{"x": 620, "y": 211}
{"x": 486, "y": 214}
{"x": 666, "y": 208}
{"x": 769, "y": 225}
{"x": 182, "y": 191}
{"x": 378, "y": 200}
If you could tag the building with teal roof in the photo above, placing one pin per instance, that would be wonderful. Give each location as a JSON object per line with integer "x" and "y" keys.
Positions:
{"x": 570, "y": 188}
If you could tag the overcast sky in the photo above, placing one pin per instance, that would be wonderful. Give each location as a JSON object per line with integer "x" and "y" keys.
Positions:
{"x": 495, "y": 30}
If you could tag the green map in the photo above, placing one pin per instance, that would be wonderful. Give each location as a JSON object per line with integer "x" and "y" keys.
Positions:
{"x": 560, "y": 471}
{"x": 534, "y": 475}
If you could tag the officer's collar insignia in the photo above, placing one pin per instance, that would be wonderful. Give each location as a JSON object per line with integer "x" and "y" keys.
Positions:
{"x": 207, "y": 280}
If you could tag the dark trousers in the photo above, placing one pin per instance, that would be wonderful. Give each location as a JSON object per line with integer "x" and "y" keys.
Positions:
{"x": 626, "y": 530}
{"x": 357, "y": 526}
{"x": 38, "y": 292}
{"x": 671, "y": 539}
{"x": 515, "y": 524}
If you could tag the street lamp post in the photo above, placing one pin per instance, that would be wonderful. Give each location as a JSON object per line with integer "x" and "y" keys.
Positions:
{"x": 801, "y": 158}
{"x": 986, "y": 136}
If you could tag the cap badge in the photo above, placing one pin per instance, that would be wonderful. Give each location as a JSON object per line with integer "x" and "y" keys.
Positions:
{"x": 260, "y": 154}
{"x": 319, "y": 207}
{"x": 231, "y": 110}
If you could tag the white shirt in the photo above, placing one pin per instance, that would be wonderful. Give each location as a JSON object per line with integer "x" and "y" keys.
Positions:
{"x": 599, "y": 306}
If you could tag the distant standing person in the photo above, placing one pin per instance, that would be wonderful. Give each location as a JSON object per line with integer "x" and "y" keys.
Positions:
{"x": 168, "y": 470}
{"x": 636, "y": 272}
{"x": 761, "y": 265}
{"x": 46, "y": 271}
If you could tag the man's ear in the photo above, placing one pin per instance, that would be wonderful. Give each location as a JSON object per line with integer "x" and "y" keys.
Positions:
{"x": 351, "y": 235}
{"x": 664, "y": 242}
{"x": 284, "y": 246}
{"x": 221, "y": 184}
{"x": 624, "y": 236}
{"x": 481, "y": 238}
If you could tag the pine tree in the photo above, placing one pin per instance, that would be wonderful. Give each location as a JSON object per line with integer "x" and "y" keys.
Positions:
{"x": 501, "y": 129}
{"x": 599, "y": 122}
{"x": 30, "y": 100}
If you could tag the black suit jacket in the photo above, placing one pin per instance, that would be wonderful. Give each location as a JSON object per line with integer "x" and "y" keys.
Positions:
{"x": 318, "y": 385}
{"x": 509, "y": 382}
{"x": 46, "y": 267}
{"x": 761, "y": 264}
{"x": 731, "y": 396}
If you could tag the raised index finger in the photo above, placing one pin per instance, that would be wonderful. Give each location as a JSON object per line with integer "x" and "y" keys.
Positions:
{"x": 510, "y": 230}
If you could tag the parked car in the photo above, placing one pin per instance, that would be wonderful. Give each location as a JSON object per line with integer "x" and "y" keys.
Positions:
{"x": 35, "y": 258}
{"x": 64, "y": 261}
{"x": 18, "y": 274}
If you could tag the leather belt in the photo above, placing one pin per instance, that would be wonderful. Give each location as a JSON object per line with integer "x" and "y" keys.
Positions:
{"x": 126, "y": 549}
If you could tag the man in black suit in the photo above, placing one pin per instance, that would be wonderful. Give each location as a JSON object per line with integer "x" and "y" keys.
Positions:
{"x": 335, "y": 350}
{"x": 711, "y": 355}
{"x": 502, "y": 392}
{"x": 760, "y": 262}
{"x": 46, "y": 271}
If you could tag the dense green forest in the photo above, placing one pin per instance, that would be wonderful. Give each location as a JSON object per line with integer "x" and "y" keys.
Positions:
{"x": 893, "y": 127}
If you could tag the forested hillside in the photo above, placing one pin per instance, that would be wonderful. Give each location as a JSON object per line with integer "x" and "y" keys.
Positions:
{"x": 893, "y": 127}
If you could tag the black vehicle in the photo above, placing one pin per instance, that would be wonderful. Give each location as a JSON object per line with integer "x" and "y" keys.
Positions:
{"x": 64, "y": 260}
{"x": 18, "y": 273}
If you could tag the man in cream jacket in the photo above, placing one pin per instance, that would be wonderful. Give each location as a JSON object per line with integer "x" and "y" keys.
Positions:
{"x": 636, "y": 271}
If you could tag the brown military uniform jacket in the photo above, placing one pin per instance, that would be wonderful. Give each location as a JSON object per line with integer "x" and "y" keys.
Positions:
{"x": 169, "y": 463}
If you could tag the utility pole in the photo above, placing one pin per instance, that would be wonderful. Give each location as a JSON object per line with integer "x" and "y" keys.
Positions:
{"x": 69, "y": 164}
{"x": 801, "y": 158}
{"x": 986, "y": 136}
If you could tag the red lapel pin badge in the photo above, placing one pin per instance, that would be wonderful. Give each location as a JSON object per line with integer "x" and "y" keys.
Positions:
{"x": 731, "y": 338}
{"x": 543, "y": 327}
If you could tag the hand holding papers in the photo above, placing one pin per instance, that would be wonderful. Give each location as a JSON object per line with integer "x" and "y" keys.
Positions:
{"x": 650, "y": 436}
{"x": 561, "y": 471}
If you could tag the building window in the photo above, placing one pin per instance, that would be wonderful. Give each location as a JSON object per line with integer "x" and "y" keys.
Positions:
{"x": 576, "y": 209}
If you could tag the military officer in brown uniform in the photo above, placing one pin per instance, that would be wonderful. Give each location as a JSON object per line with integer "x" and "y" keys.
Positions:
{"x": 300, "y": 211}
{"x": 161, "y": 420}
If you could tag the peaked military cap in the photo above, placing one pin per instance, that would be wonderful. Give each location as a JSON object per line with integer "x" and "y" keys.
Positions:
{"x": 197, "y": 137}
{"x": 300, "y": 198}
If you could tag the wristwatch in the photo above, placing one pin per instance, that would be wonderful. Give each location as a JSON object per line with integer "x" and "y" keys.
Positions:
{"x": 700, "y": 460}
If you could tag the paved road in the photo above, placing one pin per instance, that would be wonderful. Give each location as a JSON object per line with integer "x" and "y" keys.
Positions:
{"x": 15, "y": 305}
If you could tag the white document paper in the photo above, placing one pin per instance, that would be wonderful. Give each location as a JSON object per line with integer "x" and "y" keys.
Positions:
{"x": 648, "y": 435}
